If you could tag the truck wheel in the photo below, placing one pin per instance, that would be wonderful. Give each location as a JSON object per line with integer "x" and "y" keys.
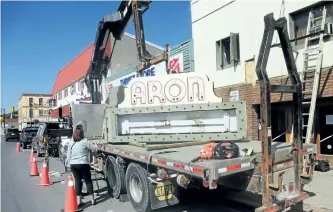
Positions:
{"x": 24, "y": 145}
{"x": 115, "y": 177}
{"x": 137, "y": 187}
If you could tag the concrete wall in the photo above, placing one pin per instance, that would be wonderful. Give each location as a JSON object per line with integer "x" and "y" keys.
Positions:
{"x": 215, "y": 20}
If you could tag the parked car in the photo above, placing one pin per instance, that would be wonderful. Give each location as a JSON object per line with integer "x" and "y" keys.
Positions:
{"x": 49, "y": 136}
{"x": 12, "y": 134}
{"x": 27, "y": 135}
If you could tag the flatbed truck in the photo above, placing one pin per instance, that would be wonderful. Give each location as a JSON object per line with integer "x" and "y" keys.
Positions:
{"x": 142, "y": 157}
{"x": 152, "y": 131}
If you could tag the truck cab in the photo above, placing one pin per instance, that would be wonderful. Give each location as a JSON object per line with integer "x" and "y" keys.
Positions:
{"x": 27, "y": 135}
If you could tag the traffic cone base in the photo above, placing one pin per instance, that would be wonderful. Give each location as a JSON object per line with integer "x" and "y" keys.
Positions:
{"x": 78, "y": 210}
{"x": 71, "y": 204}
{"x": 45, "y": 180}
{"x": 34, "y": 168}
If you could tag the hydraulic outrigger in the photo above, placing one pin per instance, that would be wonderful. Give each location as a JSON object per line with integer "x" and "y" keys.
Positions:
{"x": 266, "y": 89}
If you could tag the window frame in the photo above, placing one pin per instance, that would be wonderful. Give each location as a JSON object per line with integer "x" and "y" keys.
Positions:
{"x": 73, "y": 87}
{"x": 66, "y": 92}
{"x": 60, "y": 95}
{"x": 81, "y": 85}
{"x": 40, "y": 103}
{"x": 39, "y": 113}
{"x": 305, "y": 12}
{"x": 234, "y": 54}
{"x": 31, "y": 101}
{"x": 31, "y": 113}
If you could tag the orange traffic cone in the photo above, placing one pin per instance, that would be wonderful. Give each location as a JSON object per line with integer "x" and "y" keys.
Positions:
{"x": 34, "y": 168}
{"x": 32, "y": 155}
{"x": 45, "y": 180}
{"x": 18, "y": 147}
{"x": 71, "y": 204}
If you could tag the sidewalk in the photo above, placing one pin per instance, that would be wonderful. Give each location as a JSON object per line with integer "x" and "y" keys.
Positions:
{"x": 321, "y": 192}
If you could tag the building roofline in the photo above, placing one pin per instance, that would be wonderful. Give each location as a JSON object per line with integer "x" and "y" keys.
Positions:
{"x": 126, "y": 34}
{"x": 35, "y": 94}
{"x": 147, "y": 42}
{"x": 71, "y": 63}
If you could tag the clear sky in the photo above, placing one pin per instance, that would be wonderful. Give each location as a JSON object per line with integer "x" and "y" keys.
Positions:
{"x": 39, "y": 38}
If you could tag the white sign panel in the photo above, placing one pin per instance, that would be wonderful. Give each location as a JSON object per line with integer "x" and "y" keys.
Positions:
{"x": 178, "y": 122}
{"x": 173, "y": 89}
{"x": 155, "y": 70}
{"x": 329, "y": 119}
{"x": 234, "y": 95}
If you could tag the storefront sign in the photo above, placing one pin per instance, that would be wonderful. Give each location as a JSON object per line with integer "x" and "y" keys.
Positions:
{"x": 155, "y": 70}
{"x": 170, "y": 89}
{"x": 173, "y": 90}
{"x": 176, "y": 63}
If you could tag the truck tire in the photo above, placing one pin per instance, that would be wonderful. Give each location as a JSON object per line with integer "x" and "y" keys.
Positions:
{"x": 115, "y": 177}
{"x": 137, "y": 186}
{"x": 24, "y": 145}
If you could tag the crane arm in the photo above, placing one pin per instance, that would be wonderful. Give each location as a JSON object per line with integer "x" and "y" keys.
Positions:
{"x": 116, "y": 24}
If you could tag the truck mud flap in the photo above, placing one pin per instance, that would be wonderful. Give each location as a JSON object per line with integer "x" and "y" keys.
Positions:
{"x": 164, "y": 194}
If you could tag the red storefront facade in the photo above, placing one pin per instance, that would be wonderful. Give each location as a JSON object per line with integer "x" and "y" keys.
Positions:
{"x": 70, "y": 78}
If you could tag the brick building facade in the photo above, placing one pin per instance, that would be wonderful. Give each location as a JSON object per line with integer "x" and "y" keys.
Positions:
{"x": 251, "y": 95}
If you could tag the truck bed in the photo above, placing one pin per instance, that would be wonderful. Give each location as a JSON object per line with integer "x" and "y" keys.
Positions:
{"x": 179, "y": 159}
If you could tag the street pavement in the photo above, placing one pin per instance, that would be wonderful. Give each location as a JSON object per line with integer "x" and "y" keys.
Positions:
{"x": 20, "y": 193}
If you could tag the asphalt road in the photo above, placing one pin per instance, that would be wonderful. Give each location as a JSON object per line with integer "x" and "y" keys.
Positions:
{"x": 20, "y": 193}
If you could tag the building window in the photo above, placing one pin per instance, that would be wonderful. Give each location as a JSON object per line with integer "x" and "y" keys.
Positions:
{"x": 51, "y": 102}
{"x": 40, "y": 113}
{"x": 81, "y": 85}
{"x": 72, "y": 89}
{"x": 31, "y": 102}
{"x": 31, "y": 113}
{"x": 40, "y": 101}
{"x": 299, "y": 21}
{"x": 227, "y": 52}
{"x": 60, "y": 95}
{"x": 66, "y": 92}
